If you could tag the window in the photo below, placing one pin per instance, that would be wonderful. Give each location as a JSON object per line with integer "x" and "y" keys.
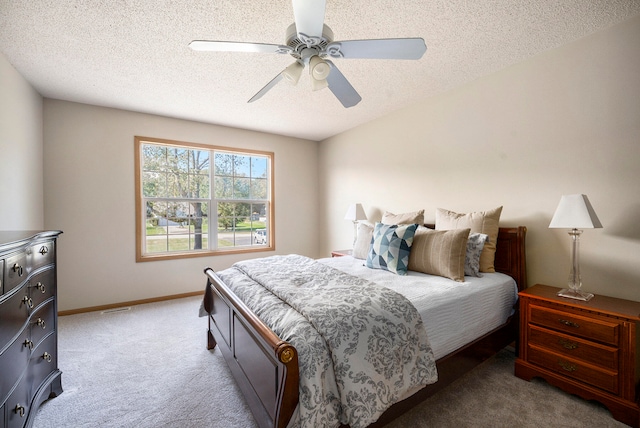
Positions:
{"x": 198, "y": 200}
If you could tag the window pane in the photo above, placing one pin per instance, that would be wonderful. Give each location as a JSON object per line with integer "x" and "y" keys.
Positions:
{"x": 259, "y": 167}
{"x": 178, "y": 242}
{"x": 243, "y": 212}
{"x": 151, "y": 183}
{"x": 153, "y": 157}
{"x": 224, "y": 187}
{"x": 199, "y": 186}
{"x": 241, "y": 188}
{"x": 199, "y": 242}
{"x": 224, "y": 164}
{"x": 199, "y": 161}
{"x": 259, "y": 188}
{"x": 242, "y": 166}
{"x": 156, "y": 244}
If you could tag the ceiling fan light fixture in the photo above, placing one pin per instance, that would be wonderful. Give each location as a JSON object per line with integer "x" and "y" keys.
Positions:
{"x": 318, "y": 68}
{"x": 292, "y": 73}
{"x": 316, "y": 84}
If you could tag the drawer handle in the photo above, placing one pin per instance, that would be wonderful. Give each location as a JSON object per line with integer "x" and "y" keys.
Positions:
{"x": 44, "y": 250}
{"x": 17, "y": 268}
{"x": 40, "y": 286}
{"x": 569, "y": 323}
{"x": 27, "y": 301}
{"x": 19, "y": 410}
{"x": 568, "y": 366}
{"x": 28, "y": 344}
{"x": 47, "y": 357}
{"x": 40, "y": 322}
{"x": 568, "y": 344}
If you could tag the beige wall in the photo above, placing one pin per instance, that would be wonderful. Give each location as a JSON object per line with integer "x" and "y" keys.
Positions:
{"x": 21, "y": 172}
{"x": 567, "y": 121}
{"x": 89, "y": 194}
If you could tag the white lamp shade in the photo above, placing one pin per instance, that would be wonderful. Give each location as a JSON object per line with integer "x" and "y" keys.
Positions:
{"x": 575, "y": 212}
{"x": 318, "y": 68}
{"x": 355, "y": 213}
{"x": 293, "y": 72}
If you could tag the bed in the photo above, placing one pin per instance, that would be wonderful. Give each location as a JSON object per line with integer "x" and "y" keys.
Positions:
{"x": 266, "y": 367}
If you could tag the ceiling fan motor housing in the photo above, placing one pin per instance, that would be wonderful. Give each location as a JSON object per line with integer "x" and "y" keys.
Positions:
{"x": 299, "y": 42}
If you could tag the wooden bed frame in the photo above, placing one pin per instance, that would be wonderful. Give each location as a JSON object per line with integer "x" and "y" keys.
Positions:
{"x": 265, "y": 367}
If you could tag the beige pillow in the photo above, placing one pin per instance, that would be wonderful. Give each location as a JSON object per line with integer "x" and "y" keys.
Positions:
{"x": 363, "y": 240}
{"x": 439, "y": 252}
{"x": 416, "y": 217}
{"x": 487, "y": 222}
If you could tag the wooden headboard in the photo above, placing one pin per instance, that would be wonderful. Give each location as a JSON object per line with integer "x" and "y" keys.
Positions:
{"x": 510, "y": 253}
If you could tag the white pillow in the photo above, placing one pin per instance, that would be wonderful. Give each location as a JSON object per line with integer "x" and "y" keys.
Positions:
{"x": 364, "y": 234}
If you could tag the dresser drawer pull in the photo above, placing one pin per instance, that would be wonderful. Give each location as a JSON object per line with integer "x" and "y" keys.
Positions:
{"x": 47, "y": 357}
{"x": 28, "y": 344}
{"x": 27, "y": 301}
{"x": 17, "y": 268}
{"x": 19, "y": 410}
{"x": 568, "y": 366}
{"x": 40, "y": 322}
{"x": 568, "y": 344}
{"x": 40, "y": 286}
{"x": 569, "y": 323}
{"x": 44, "y": 250}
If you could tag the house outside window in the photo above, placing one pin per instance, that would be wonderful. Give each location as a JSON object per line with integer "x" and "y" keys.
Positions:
{"x": 201, "y": 200}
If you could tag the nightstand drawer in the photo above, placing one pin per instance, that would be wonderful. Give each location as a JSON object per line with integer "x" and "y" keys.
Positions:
{"x": 576, "y": 325}
{"x": 575, "y": 369}
{"x": 573, "y": 347}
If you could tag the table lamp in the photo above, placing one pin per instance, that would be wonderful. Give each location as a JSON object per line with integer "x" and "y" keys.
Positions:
{"x": 575, "y": 212}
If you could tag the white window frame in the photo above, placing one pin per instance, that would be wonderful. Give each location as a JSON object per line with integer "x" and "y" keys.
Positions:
{"x": 212, "y": 203}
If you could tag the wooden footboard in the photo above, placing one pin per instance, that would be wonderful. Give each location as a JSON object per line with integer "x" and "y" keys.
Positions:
{"x": 266, "y": 367}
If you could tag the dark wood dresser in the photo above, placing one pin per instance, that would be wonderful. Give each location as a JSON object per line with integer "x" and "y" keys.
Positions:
{"x": 28, "y": 322}
{"x": 591, "y": 349}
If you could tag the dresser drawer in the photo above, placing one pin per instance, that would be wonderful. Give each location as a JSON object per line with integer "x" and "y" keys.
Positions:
{"x": 576, "y": 325}
{"x": 574, "y": 369}
{"x": 13, "y": 362}
{"x": 573, "y": 347}
{"x": 43, "y": 361}
{"x": 41, "y": 254}
{"x": 17, "y": 406}
{"x": 13, "y": 315}
{"x": 42, "y": 323}
{"x": 15, "y": 270}
{"x": 42, "y": 286}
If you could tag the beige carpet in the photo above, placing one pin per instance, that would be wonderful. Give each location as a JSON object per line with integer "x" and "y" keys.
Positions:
{"x": 149, "y": 367}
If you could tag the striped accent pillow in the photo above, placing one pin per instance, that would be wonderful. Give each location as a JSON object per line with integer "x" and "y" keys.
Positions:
{"x": 439, "y": 252}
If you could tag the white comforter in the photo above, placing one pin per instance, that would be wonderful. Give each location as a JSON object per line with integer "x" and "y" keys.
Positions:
{"x": 454, "y": 313}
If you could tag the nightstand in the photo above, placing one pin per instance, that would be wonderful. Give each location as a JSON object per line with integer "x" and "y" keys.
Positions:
{"x": 590, "y": 349}
{"x": 340, "y": 253}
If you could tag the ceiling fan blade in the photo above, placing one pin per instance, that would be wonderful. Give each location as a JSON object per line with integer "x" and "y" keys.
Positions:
{"x": 215, "y": 46}
{"x": 412, "y": 48}
{"x": 309, "y": 17}
{"x": 266, "y": 88}
{"x": 341, "y": 88}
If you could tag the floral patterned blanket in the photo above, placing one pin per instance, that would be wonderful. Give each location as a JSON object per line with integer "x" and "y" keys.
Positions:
{"x": 361, "y": 347}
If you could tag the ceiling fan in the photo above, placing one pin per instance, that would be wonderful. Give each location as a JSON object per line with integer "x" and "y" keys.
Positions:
{"x": 311, "y": 42}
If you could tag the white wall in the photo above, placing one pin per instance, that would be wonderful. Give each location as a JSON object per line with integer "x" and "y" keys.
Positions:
{"x": 89, "y": 194}
{"x": 567, "y": 121}
{"x": 21, "y": 172}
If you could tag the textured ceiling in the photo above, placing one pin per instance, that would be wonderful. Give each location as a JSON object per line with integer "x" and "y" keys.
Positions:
{"x": 133, "y": 54}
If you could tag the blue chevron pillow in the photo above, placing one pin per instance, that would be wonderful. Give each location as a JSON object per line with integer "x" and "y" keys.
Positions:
{"x": 390, "y": 247}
